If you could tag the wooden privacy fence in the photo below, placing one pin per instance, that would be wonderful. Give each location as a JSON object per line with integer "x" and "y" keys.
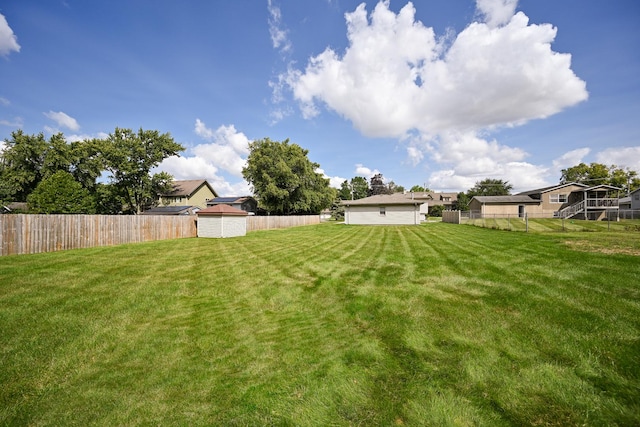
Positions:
{"x": 29, "y": 234}
{"x": 270, "y": 222}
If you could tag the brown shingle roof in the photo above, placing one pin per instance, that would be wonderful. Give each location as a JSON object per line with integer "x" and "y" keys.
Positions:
{"x": 219, "y": 210}
{"x": 186, "y": 188}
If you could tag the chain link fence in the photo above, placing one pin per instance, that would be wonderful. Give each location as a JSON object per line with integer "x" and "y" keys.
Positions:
{"x": 612, "y": 220}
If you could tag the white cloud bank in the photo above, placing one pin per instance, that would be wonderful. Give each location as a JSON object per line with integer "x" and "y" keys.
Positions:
{"x": 397, "y": 79}
{"x": 8, "y": 40}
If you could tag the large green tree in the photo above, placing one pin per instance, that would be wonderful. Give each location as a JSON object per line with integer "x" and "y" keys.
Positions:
{"x": 377, "y": 186}
{"x": 485, "y": 187}
{"x": 60, "y": 193}
{"x": 490, "y": 187}
{"x": 357, "y": 188}
{"x": 21, "y": 165}
{"x": 597, "y": 173}
{"x": 284, "y": 180}
{"x": 28, "y": 159}
{"x": 129, "y": 157}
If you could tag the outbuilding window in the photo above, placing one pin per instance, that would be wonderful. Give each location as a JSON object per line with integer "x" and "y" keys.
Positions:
{"x": 383, "y": 211}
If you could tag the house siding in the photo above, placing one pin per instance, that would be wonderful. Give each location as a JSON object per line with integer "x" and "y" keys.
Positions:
{"x": 198, "y": 198}
{"x": 548, "y": 207}
{"x": 494, "y": 209}
{"x": 394, "y": 215}
{"x": 635, "y": 199}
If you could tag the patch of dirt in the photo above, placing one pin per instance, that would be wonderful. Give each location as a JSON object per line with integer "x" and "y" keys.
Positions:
{"x": 586, "y": 246}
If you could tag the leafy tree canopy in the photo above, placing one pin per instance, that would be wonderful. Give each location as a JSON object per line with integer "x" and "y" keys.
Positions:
{"x": 392, "y": 187}
{"x": 284, "y": 180}
{"x": 598, "y": 173}
{"x": 357, "y": 188}
{"x": 419, "y": 189}
{"x": 129, "y": 158}
{"x": 22, "y": 165}
{"x": 27, "y": 160}
{"x": 490, "y": 187}
{"x": 378, "y": 186}
{"x": 60, "y": 193}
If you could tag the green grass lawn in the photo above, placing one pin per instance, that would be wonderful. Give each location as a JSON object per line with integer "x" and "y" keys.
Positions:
{"x": 435, "y": 325}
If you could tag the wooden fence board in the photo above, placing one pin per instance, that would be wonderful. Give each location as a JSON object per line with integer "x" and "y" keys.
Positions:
{"x": 29, "y": 234}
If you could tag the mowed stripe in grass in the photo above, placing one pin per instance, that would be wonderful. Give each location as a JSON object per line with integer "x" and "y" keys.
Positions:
{"x": 323, "y": 325}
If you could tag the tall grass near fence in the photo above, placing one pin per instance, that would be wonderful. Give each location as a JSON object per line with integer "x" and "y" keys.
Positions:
{"x": 546, "y": 224}
{"x": 331, "y": 324}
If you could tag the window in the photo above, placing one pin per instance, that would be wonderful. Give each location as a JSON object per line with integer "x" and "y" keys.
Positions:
{"x": 636, "y": 196}
{"x": 383, "y": 211}
{"x": 558, "y": 198}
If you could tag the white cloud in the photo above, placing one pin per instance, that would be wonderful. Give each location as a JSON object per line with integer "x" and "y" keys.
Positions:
{"x": 8, "y": 40}
{"x": 570, "y": 158}
{"x": 392, "y": 78}
{"x": 467, "y": 158}
{"x": 63, "y": 120}
{"x": 17, "y": 122}
{"x": 364, "y": 171}
{"x": 227, "y": 148}
{"x": 623, "y": 157}
{"x": 334, "y": 181}
{"x": 496, "y": 12}
{"x": 225, "y": 151}
{"x": 83, "y": 137}
{"x": 4, "y": 102}
{"x": 396, "y": 79}
{"x": 279, "y": 36}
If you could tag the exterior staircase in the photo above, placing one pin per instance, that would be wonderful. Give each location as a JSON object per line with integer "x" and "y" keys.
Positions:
{"x": 570, "y": 210}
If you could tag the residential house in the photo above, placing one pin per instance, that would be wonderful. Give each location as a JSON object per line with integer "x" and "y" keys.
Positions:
{"x": 245, "y": 203}
{"x": 571, "y": 200}
{"x": 430, "y": 198}
{"x": 194, "y": 192}
{"x": 384, "y": 209}
{"x": 630, "y": 205}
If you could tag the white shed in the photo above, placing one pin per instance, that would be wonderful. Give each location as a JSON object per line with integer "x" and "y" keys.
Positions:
{"x": 222, "y": 221}
{"x": 387, "y": 209}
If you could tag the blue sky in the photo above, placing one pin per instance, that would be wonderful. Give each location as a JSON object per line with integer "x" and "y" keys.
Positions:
{"x": 437, "y": 92}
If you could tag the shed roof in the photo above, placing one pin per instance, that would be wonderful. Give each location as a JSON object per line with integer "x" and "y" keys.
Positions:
{"x": 222, "y": 210}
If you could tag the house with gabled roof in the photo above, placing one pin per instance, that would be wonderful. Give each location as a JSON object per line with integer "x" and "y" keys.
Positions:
{"x": 568, "y": 200}
{"x": 194, "y": 192}
{"x": 384, "y": 209}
